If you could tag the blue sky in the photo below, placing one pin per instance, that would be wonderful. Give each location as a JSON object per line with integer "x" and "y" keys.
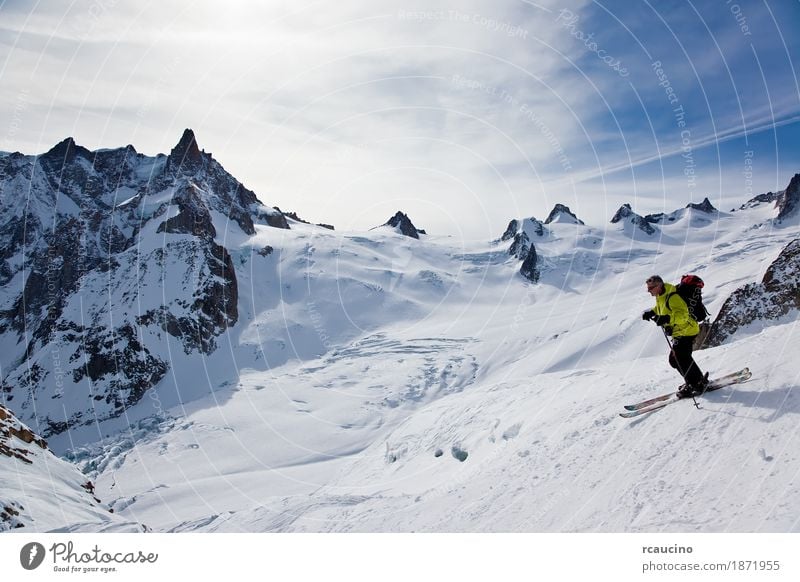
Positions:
{"x": 463, "y": 114}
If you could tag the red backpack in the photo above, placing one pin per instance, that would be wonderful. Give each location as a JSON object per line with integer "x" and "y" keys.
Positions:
{"x": 691, "y": 291}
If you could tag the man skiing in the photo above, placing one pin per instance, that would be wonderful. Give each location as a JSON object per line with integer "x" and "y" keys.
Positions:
{"x": 672, "y": 314}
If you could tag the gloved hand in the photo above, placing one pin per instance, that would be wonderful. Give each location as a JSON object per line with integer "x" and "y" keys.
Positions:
{"x": 662, "y": 320}
{"x": 648, "y": 315}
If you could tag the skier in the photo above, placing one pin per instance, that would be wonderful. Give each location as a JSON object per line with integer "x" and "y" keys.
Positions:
{"x": 672, "y": 314}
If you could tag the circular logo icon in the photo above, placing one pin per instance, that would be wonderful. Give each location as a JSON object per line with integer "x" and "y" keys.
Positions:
{"x": 32, "y": 555}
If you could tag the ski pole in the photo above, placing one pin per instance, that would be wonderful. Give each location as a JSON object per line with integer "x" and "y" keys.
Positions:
{"x": 669, "y": 343}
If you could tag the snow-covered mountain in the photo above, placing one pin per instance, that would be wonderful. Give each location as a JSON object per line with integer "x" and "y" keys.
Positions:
{"x": 632, "y": 222}
{"x": 562, "y": 213}
{"x": 698, "y": 212}
{"x": 222, "y": 372}
{"x": 401, "y": 224}
{"x": 114, "y": 268}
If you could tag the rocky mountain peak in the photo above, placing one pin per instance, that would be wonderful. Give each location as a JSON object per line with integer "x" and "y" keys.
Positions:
{"x": 402, "y": 223}
{"x": 522, "y": 246}
{"x": 704, "y": 206}
{"x": 65, "y": 152}
{"x": 529, "y": 226}
{"x": 756, "y": 201}
{"x": 626, "y": 215}
{"x": 185, "y": 153}
{"x": 562, "y": 213}
{"x": 624, "y": 212}
{"x": 511, "y": 230}
{"x": 789, "y": 201}
{"x": 86, "y": 214}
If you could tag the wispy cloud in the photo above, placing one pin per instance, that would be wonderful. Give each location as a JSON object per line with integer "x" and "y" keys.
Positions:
{"x": 470, "y": 112}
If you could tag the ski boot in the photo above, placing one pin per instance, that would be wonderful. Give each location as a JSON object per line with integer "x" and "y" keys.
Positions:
{"x": 687, "y": 391}
{"x": 700, "y": 389}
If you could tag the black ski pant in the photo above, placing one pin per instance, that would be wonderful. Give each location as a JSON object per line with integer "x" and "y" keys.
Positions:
{"x": 681, "y": 359}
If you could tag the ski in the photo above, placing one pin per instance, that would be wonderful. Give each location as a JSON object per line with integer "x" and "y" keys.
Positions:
{"x": 667, "y": 399}
{"x": 728, "y": 378}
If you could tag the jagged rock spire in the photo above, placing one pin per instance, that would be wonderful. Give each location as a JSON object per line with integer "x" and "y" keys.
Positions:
{"x": 522, "y": 246}
{"x": 185, "y": 153}
{"x": 402, "y": 223}
{"x": 65, "y": 151}
{"x": 562, "y": 213}
{"x": 627, "y": 215}
{"x": 789, "y": 202}
{"x": 704, "y": 206}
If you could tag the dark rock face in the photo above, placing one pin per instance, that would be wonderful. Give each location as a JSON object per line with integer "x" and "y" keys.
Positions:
{"x": 403, "y": 224}
{"x": 624, "y": 212}
{"x": 64, "y": 153}
{"x": 529, "y": 265}
{"x": 115, "y": 359}
{"x": 788, "y": 202}
{"x": 659, "y": 218}
{"x": 293, "y": 216}
{"x": 185, "y": 156}
{"x": 775, "y": 297}
{"x": 213, "y": 310}
{"x": 704, "y": 206}
{"x": 193, "y": 218}
{"x": 626, "y": 215}
{"x": 522, "y": 247}
{"x": 511, "y": 230}
{"x": 530, "y": 226}
{"x": 91, "y": 317}
{"x": 561, "y": 213}
{"x": 663, "y": 218}
{"x": 217, "y": 301}
{"x": 10, "y": 429}
{"x": 766, "y": 198}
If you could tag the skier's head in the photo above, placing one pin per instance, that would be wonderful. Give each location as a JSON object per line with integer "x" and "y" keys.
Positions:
{"x": 655, "y": 285}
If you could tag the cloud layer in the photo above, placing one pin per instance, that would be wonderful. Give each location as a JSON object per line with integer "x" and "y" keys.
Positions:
{"x": 463, "y": 114}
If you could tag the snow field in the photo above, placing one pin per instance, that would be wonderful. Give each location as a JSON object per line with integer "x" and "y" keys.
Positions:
{"x": 388, "y": 384}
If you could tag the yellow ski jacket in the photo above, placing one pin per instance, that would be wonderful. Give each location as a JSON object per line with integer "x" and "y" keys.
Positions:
{"x": 679, "y": 319}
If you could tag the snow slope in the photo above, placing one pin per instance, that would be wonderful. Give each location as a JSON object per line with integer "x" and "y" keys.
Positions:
{"x": 40, "y": 492}
{"x": 388, "y": 384}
